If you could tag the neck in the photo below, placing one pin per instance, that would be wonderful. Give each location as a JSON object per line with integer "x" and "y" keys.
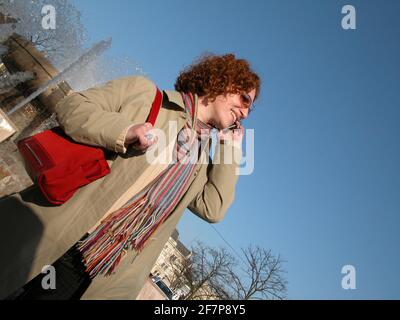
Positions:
{"x": 204, "y": 111}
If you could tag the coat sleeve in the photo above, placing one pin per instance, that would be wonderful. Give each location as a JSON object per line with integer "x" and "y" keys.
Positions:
{"x": 218, "y": 193}
{"x": 101, "y": 116}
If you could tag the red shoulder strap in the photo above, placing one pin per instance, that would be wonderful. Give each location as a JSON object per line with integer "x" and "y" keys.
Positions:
{"x": 155, "y": 108}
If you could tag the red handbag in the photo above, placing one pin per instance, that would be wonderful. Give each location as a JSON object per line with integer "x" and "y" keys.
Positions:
{"x": 60, "y": 165}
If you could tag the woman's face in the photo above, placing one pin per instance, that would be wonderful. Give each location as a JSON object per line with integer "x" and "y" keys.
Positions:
{"x": 230, "y": 109}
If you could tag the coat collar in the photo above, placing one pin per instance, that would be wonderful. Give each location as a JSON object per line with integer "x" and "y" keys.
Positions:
{"x": 176, "y": 99}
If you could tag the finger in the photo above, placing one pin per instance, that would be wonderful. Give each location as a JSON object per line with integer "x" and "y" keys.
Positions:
{"x": 142, "y": 143}
{"x": 153, "y": 140}
{"x": 240, "y": 129}
{"x": 141, "y": 148}
{"x": 238, "y": 135}
{"x": 224, "y": 133}
{"x": 138, "y": 147}
{"x": 149, "y": 136}
{"x": 147, "y": 126}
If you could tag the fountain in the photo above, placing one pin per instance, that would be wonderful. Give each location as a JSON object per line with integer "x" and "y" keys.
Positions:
{"x": 42, "y": 81}
{"x": 23, "y": 70}
{"x": 30, "y": 81}
{"x": 88, "y": 56}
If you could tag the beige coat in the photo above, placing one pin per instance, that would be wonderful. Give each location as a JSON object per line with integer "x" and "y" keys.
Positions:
{"x": 34, "y": 234}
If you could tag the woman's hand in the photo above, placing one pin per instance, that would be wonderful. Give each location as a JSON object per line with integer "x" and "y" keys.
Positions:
{"x": 140, "y": 136}
{"x": 234, "y": 135}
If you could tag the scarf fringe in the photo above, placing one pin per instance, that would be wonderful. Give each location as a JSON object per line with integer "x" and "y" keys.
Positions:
{"x": 104, "y": 248}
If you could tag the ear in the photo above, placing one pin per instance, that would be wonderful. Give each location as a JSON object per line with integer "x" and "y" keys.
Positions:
{"x": 204, "y": 101}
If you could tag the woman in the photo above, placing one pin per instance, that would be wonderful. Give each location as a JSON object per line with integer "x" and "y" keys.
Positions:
{"x": 123, "y": 224}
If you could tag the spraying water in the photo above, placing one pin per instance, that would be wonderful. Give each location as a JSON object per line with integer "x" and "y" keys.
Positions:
{"x": 3, "y": 49}
{"x": 63, "y": 45}
{"x": 10, "y": 81}
{"x": 91, "y": 54}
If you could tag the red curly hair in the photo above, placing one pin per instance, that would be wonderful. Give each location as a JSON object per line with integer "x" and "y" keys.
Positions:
{"x": 214, "y": 75}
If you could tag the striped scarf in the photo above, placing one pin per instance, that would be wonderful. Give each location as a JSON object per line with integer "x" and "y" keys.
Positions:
{"x": 129, "y": 227}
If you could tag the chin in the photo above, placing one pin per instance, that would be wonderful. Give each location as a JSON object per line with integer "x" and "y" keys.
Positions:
{"x": 228, "y": 124}
{"x": 223, "y": 126}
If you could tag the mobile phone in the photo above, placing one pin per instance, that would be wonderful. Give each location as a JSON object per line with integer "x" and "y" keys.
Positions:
{"x": 232, "y": 127}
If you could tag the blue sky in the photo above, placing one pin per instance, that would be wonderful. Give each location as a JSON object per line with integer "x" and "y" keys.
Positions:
{"x": 326, "y": 184}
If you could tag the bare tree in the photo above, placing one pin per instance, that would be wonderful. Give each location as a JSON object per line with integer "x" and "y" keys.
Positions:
{"x": 205, "y": 266}
{"x": 213, "y": 273}
{"x": 61, "y": 45}
{"x": 181, "y": 276}
{"x": 261, "y": 276}
{"x": 64, "y": 44}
